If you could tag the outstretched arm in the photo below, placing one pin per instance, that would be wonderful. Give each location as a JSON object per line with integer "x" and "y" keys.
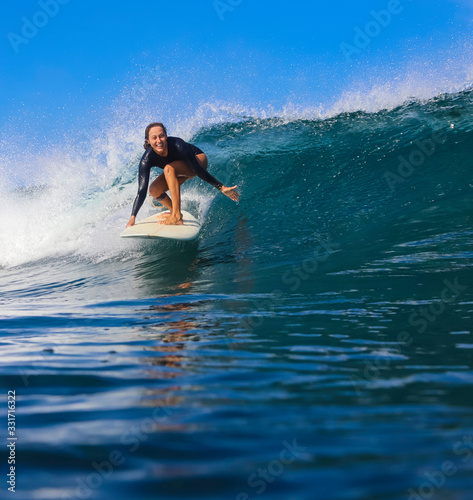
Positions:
{"x": 143, "y": 180}
{"x": 201, "y": 172}
{"x": 191, "y": 160}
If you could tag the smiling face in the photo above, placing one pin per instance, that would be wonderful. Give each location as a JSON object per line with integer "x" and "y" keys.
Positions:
{"x": 158, "y": 140}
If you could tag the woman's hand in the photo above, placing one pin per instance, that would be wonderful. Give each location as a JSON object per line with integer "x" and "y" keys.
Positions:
{"x": 230, "y": 192}
{"x": 131, "y": 222}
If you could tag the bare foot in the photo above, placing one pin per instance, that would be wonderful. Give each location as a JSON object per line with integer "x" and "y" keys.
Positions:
{"x": 171, "y": 221}
{"x": 184, "y": 285}
{"x": 163, "y": 215}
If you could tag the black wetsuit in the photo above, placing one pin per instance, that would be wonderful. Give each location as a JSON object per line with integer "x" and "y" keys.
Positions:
{"x": 177, "y": 150}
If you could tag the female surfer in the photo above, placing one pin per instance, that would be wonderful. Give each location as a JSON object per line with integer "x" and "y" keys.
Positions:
{"x": 180, "y": 162}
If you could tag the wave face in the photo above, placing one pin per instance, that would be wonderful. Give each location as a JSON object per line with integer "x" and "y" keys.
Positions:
{"x": 389, "y": 187}
{"x": 371, "y": 180}
{"x": 326, "y": 315}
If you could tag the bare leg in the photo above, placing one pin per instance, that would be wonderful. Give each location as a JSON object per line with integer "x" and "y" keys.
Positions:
{"x": 174, "y": 175}
{"x": 166, "y": 201}
{"x": 158, "y": 188}
{"x": 175, "y": 191}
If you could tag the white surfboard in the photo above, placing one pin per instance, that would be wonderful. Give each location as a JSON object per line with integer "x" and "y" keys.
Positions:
{"x": 150, "y": 228}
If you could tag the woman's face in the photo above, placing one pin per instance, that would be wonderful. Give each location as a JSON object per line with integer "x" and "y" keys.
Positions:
{"x": 158, "y": 140}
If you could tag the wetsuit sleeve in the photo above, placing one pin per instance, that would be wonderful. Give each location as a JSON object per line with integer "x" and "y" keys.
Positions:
{"x": 191, "y": 160}
{"x": 143, "y": 180}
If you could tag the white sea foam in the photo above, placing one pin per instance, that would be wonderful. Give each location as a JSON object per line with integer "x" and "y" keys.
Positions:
{"x": 80, "y": 196}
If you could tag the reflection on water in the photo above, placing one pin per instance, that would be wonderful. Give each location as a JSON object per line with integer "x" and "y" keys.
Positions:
{"x": 171, "y": 334}
{"x": 157, "y": 370}
{"x": 195, "y": 405}
{"x": 166, "y": 266}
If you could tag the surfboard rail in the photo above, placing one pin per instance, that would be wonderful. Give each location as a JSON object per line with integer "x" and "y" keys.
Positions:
{"x": 150, "y": 228}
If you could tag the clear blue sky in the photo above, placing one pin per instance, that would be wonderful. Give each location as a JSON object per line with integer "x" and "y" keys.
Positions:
{"x": 66, "y": 62}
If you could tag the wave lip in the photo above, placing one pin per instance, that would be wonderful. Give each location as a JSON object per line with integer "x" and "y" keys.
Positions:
{"x": 363, "y": 163}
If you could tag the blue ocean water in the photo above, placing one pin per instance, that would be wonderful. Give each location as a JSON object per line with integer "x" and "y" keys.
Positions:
{"x": 315, "y": 342}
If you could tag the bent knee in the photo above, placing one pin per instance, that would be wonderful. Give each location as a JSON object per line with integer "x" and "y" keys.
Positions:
{"x": 169, "y": 170}
{"x": 155, "y": 192}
